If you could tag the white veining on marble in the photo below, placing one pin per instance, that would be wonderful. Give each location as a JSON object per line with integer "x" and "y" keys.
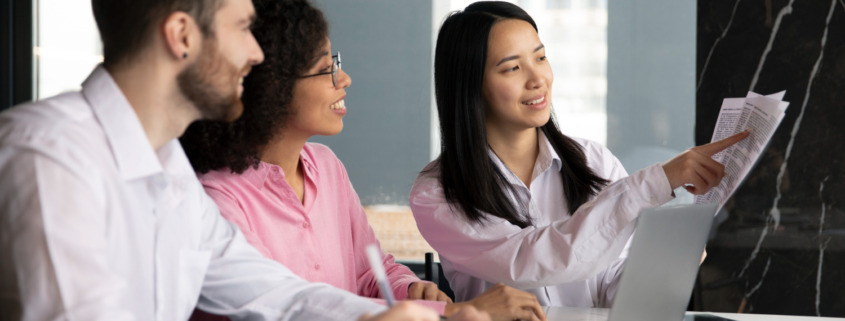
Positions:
{"x": 762, "y": 277}
{"x": 715, "y": 43}
{"x": 822, "y": 247}
{"x": 775, "y": 212}
{"x": 756, "y": 248}
{"x": 783, "y": 12}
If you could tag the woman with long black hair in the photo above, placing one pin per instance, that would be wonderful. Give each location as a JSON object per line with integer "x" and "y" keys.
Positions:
{"x": 511, "y": 199}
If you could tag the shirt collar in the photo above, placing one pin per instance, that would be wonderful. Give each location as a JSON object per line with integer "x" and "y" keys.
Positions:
{"x": 547, "y": 159}
{"x": 309, "y": 165}
{"x": 132, "y": 151}
{"x": 257, "y": 176}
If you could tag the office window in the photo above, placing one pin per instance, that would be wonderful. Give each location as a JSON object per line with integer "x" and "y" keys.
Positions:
{"x": 67, "y": 45}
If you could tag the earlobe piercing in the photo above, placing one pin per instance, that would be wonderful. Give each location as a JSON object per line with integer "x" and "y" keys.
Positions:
{"x": 184, "y": 55}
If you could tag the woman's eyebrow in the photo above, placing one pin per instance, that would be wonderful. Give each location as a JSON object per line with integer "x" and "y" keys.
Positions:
{"x": 509, "y": 58}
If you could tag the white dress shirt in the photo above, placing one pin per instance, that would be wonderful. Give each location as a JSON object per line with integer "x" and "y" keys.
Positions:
{"x": 96, "y": 225}
{"x": 565, "y": 260}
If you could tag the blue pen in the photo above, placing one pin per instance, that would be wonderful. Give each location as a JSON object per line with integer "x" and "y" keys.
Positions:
{"x": 374, "y": 256}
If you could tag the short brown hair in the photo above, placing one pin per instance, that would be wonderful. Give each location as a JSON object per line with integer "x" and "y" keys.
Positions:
{"x": 126, "y": 24}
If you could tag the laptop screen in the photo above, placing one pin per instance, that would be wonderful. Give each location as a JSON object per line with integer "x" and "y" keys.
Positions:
{"x": 662, "y": 264}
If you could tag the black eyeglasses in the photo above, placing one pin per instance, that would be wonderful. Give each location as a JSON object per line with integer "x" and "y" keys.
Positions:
{"x": 335, "y": 68}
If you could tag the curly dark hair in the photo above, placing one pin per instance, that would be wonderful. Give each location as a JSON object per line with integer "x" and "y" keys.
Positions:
{"x": 292, "y": 34}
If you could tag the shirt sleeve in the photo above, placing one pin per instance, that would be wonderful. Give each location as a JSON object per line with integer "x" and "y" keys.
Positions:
{"x": 231, "y": 210}
{"x": 608, "y": 283}
{"x": 244, "y": 285}
{"x": 564, "y": 251}
{"x": 399, "y": 276}
{"x": 54, "y": 244}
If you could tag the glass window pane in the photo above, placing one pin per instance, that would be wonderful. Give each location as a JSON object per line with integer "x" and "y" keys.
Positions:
{"x": 67, "y": 45}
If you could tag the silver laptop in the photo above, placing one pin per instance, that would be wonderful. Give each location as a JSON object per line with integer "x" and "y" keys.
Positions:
{"x": 661, "y": 268}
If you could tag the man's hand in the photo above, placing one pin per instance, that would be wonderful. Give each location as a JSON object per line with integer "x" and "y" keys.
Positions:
{"x": 504, "y": 303}
{"x": 695, "y": 170}
{"x": 469, "y": 313}
{"x": 404, "y": 311}
{"x": 427, "y": 291}
{"x": 409, "y": 311}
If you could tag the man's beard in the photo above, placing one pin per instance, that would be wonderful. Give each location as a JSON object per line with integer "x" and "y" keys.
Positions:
{"x": 211, "y": 85}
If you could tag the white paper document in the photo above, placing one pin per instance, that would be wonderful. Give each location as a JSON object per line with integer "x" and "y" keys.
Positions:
{"x": 761, "y": 115}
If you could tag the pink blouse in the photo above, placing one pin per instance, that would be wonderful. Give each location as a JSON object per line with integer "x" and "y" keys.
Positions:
{"x": 322, "y": 240}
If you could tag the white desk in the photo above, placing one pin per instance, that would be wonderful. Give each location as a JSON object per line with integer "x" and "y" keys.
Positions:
{"x": 586, "y": 314}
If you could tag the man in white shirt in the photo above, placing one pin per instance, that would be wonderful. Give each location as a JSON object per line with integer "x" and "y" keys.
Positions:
{"x": 102, "y": 217}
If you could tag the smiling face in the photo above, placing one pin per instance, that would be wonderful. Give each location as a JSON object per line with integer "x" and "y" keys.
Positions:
{"x": 318, "y": 106}
{"x": 214, "y": 83}
{"x": 517, "y": 78}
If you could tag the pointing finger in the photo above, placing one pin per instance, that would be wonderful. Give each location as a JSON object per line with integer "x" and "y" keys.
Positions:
{"x": 717, "y": 146}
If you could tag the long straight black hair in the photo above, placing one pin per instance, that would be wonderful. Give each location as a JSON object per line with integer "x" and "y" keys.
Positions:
{"x": 470, "y": 179}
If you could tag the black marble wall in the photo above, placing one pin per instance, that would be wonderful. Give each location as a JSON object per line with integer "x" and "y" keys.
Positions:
{"x": 780, "y": 248}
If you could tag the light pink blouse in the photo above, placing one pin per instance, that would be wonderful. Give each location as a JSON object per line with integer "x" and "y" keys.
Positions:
{"x": 322, "y": 240}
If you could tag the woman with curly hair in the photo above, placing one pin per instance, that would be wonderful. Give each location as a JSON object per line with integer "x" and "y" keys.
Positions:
{"x": 291, "y": 198}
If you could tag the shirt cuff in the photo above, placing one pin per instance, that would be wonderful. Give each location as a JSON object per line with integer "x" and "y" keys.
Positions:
{"x": 402, "y": 285}
{"x": 654, "y": 185}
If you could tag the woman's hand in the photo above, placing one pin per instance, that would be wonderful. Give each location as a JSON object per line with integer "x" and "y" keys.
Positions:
{"x": 695, "y": 170}
{"x": 426, "y": 291}
{"x": 504, "y": 303}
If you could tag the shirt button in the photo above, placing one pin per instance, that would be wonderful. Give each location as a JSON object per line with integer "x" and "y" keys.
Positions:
{"x": 317, "y": 266}
{"x": 305, "y": 225}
